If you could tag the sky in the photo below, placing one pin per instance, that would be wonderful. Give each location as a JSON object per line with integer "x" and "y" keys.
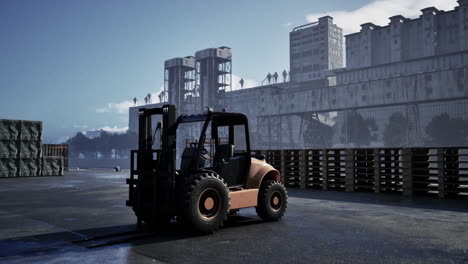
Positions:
{"x": 76, "y": 65}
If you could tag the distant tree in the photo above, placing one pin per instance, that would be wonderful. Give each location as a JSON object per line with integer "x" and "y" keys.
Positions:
{"x": 445, "y": 131}
{"x": 397, "y": 130}
{"x": 106, "y": 143}
{"x": 318, "y": 135}
{"x": 80, "y": 144}
{"x": 358, "y": 130}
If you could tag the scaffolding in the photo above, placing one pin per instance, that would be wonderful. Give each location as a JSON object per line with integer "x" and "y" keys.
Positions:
{"x": 179, "y": 83}
{"x": 213, "y": 76}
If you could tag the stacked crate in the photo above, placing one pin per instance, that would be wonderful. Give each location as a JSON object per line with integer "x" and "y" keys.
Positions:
{"x": 425, "y": 171}
{"x": 9, "y": 147}
{"x": 455, "y": 173}
{"x": 390, "y": 170}
{"x": 334, "y": 170}
{"x": 292, "y": 168}
{"x": 313, "y": 169}
{"x": 21, "y": 150}
{"x": 363, "y": 170}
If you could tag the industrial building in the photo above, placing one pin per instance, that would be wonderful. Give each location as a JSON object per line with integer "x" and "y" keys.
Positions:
{"x": 405, "y": 85}
{"x": 435, "y": 32}
{"x": 315, "y": 49}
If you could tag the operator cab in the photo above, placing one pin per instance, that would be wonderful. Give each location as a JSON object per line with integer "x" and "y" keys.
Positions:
{"x": 230, "y": 156}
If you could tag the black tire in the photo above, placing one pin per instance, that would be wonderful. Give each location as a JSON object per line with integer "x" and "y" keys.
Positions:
{"x": 206, "y": 203}
{"x": 233, "y": 212}
{"x": 272, "y": 201}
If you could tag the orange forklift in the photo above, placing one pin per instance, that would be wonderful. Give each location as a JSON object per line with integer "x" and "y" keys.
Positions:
{"x": 200, "y": 193}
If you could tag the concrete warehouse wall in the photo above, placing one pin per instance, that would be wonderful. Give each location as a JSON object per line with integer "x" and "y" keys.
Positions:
{"x": 21, "y": 151}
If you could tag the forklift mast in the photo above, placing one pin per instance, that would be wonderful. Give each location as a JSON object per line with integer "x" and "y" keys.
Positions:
{"x": 156, "y": 169}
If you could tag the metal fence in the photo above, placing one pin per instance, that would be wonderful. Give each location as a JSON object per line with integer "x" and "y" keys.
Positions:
{"x": 441, "y": 172}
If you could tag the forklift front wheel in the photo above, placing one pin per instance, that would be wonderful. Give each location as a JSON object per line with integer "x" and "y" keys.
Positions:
{"x": 206, "y": 202}
{"x": 272, "y": 201}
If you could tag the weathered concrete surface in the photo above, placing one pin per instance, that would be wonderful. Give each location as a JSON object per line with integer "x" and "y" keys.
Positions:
{"x": 39, "y": 217}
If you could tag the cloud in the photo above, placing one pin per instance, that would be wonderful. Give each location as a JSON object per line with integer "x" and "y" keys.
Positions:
{"x": 120, "y": 108}
{"x": 114, "y": 129}
{"x": 248, "y": 83}
{"x": 288, "y": 24}
{"x": 379, "y": 11}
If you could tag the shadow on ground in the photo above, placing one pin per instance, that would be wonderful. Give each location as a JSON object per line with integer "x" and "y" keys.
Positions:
{"x": 60, "y": 242}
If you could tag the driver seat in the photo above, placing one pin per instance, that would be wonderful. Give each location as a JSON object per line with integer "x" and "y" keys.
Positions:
{"x": 188, "y": 159}
{"x": 224, "y": 152}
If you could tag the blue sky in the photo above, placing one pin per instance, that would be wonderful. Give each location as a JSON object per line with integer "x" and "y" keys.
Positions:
{"x": 71, "y": 64}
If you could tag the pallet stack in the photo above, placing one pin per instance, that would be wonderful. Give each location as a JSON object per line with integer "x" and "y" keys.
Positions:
{"x": 334, "y": 170}
{"x": 425, "y": 171}
{"x": 453, "y": 181}
{"x": 313, "y": 169}
{"x": 292, "y": 168}
{"x": 439, "y": 172}
{"x": 273, "y": 157}
{"x": 56, "y": 150}
{"x": 390, "y": 170}
{"x": 363, "y": 170}
{"x": 21, "y": 151}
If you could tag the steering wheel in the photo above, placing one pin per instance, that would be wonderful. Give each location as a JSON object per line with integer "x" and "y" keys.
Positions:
{"x": 203, "y": 150}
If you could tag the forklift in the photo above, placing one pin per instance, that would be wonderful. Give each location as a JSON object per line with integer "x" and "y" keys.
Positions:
{"x": 201, "y": 192}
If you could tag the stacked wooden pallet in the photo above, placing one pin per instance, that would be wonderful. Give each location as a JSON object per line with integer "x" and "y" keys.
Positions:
{"x": 334, "y": 169}
{"x": 292, "y": 168}
{"x": 455, "y": 172}
{"x": 313, "y": 169}
{"x": 425, "y": 172}
{"x": 273, "y": 157}
{"x": 407, "y": 171}
{"x": 390, "y": 170}
{"x": 362, "y": 161}
{"x": 56, "y": 150}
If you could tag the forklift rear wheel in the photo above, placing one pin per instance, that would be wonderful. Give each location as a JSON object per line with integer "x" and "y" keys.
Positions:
{"x": 206, "y": 202}
{"x": 272, "y": 201}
